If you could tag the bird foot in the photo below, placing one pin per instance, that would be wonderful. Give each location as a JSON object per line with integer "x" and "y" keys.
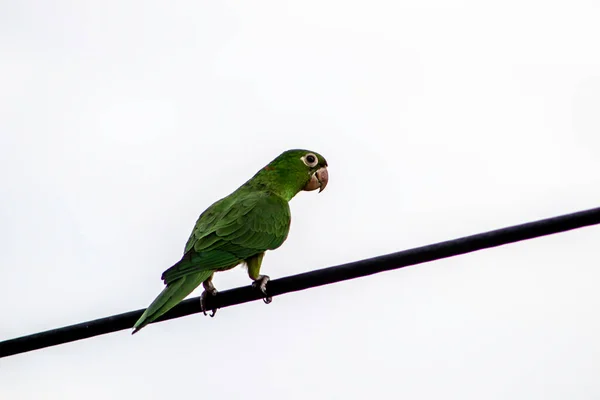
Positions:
{"x": 208, "y": 292}
{"x": 261, "y": 284}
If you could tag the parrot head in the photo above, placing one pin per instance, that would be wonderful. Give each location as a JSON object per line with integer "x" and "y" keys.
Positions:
{"x": 295, "y": 170}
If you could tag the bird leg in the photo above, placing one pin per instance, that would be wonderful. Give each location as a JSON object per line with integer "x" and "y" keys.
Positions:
{"x": 260, "y": 283}
{"x": 209, "y": 291}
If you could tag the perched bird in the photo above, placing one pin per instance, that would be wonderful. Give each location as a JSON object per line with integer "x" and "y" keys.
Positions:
{"x": 239, "y": 229}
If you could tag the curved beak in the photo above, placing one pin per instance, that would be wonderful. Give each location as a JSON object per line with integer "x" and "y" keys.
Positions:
{"x": 318, "y": 180}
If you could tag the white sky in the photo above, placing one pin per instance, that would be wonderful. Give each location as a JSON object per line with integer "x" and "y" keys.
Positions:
{"x": 121, "y": 121}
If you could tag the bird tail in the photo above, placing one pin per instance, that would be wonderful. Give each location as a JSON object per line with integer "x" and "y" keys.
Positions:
{"x": 171, "y": 295}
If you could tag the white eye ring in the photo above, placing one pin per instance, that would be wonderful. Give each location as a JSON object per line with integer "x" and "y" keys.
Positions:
{"x": 310, "y": 160}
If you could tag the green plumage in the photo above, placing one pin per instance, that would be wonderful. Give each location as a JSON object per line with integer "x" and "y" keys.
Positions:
{"x": 236, "y": 229}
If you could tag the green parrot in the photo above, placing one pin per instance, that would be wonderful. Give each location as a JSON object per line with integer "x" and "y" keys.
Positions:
{"x": 239, "y": 229}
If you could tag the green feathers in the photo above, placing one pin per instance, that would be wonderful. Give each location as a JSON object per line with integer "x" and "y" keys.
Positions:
{"x": 170, "y": 296}
{"x": 253, "y": 223}
{"x": 254, "y": 218}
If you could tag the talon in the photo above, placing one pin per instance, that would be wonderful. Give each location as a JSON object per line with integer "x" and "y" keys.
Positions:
{"x": 261, "y": 284}
{"x": 210, "y": 292}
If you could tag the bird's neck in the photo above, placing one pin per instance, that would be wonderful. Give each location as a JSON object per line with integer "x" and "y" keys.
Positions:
{"x": 285, "y": 184}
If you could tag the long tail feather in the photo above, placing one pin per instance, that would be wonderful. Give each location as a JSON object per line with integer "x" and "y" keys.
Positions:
{"x": 171, "y": 295}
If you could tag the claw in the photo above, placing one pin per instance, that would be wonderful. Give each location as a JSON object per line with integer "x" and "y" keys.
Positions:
{"x": 261, "y": 284}
{"x": 210, "y": 292}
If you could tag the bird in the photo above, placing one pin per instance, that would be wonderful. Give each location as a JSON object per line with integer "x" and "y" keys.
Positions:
{"x": 239, "y": 229}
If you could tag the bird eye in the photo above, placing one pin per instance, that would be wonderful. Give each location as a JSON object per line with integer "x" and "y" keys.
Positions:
{"x": 310, "y": 160}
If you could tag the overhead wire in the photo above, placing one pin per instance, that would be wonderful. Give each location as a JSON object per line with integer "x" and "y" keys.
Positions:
{"x": 320, "y": 277}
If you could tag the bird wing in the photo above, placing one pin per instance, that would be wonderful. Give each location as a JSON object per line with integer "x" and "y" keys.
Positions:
{"x": 232, "y": 230}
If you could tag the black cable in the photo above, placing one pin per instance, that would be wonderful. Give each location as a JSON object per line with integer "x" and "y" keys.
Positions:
{"x": 311, "y": 279}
